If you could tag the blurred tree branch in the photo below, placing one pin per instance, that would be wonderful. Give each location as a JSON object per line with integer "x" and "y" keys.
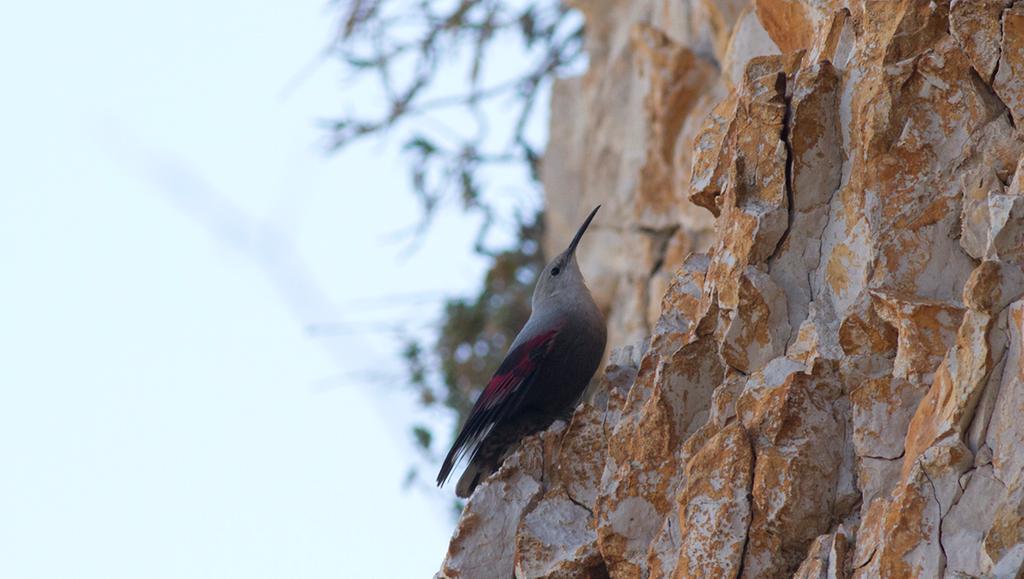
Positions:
{"x": 407, "y": 50}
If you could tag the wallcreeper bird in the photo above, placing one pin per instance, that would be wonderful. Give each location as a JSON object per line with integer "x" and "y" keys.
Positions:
{"x": 544, "y": 374}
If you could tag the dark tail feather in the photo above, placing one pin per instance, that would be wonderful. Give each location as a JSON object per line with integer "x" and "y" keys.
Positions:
{"x": 477, "y": 433}
{"x": 480, "y": 465}
{"x": 449, "y": 464}
{"x": 462, "y": 445}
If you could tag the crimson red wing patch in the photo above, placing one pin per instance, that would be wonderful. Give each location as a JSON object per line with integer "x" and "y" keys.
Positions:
{"x": 502, "y": 393}
{"x": 519, "y": 365}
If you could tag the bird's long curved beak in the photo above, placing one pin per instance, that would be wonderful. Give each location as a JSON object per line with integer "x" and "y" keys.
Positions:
{"x": 579, "y": 234}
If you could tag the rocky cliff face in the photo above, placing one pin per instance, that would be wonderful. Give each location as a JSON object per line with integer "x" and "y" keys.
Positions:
{"x": 811, "y": 257}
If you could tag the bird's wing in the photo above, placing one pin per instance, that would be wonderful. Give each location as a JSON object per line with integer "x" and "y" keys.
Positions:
{"x": 502, "y": 394}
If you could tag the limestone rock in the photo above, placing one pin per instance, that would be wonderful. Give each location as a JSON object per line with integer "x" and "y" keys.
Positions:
{"x": 977, "y": 27}
{"x": 1009, "y": 77}
{"x": 812, "y": 260}
{"x": 483, "y": 544}
{"x": 556, "y": 536}
{"x": 715, "y": 510}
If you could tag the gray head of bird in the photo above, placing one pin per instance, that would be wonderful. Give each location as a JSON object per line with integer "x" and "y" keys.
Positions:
{"x": 562, "y": 279}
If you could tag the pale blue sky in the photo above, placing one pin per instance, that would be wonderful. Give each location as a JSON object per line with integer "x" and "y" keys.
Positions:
{"x": 163, "y": 412}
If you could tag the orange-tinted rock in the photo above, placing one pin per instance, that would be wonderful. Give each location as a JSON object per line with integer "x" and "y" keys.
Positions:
{"x": 882, "y": 409}
{"x": 1009, "y": 78}
{"x": 715, "y": 511}
{"x": 816, "y": 162}
{"x": 1003, "y": 544}
{"x": 758, "y": 328}
{"x": 976, "y": 25}
{"x": 797, "y": 435}
{"x": 993, "y": 155}
{"x": 641, "y": 481}
{"x": 749, "y": 40}
{"x": 949, "y": 405}
{"x": 968, "y": 521}
{"x": 681, "y": 299}
{"x": 484, "y": 545}
{"x": 993, "y": 285}
{"x": 578, "y": 457}
{"x": 899, "y": 538}
{"x": 834, "y": 39}
{"x": 1005, "y": 434}
{"x": 787, "y": 23}
{"x": 826, "y": 558}
{"x": 926, "y": 330}
{"x": 832, "y": 383}
{"x": 678, "y": 78}
{"x": 1006, "y": 222}
{"x": 556, "y": 539}
{"x": 711, "y": 155}
{"x": 865, "y": 332}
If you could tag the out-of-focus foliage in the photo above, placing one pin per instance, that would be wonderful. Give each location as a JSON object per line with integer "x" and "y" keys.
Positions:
{"x": 502, "y": 56}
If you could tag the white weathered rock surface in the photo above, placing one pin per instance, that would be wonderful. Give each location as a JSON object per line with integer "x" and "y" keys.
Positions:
{"x": 813, "y": 239}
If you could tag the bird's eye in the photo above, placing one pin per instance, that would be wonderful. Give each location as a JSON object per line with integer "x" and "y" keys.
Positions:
{"x": 555, "y": 270}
